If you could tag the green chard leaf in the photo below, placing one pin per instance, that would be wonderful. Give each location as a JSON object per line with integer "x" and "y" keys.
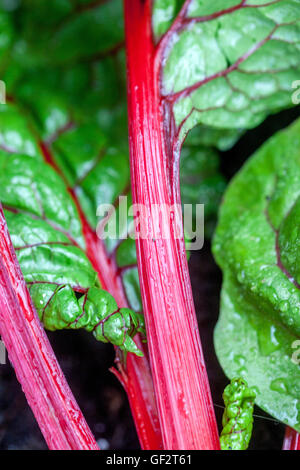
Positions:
{"x": 47, "y": 235}
{"x": 227, "y": 64}
{"x": 237, "y": 419}
{"x": 257, "y": 246}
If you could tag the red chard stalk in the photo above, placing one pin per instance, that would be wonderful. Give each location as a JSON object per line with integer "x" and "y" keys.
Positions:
{"x": 180, "y": 381}
{"x": 31, "y": 355}
{"x": 291, "y": 440}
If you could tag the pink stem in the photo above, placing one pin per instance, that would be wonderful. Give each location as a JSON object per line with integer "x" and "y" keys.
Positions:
{"x": 291, "y": 440}
{"x": 32, "y": 357}
{"x": 136, "y": 377}
{"x": 181, "y": 386}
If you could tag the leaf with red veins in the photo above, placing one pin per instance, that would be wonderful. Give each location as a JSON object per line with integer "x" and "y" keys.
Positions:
{"x": 96, "y": 172}
{"x": 229, "y": 64}
{"x": 47, "y": 233}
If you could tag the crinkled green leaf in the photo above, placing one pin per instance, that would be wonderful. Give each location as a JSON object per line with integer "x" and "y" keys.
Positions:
{"x": 256, "y": 246}
{"x": 31, "y": 187}
{"x": 15, "y": 133}
{"x": 228, "y": 64}
{"x": 47, "y": 235}
{"x": 237, "y": 418}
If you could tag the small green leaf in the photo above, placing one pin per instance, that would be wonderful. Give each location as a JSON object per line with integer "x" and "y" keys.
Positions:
{"x": 237, "y": 419}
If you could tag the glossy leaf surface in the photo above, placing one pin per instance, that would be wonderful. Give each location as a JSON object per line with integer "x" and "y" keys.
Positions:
{"x": 256, "y": 246}
{"x": 237, "y": 418}
{"x": 228, "y": 64}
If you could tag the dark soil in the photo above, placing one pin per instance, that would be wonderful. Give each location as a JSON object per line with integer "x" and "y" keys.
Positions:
{"x": 85, "y": 362}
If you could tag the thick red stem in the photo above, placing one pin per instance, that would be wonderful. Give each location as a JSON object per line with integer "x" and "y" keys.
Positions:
{"x": 181, "y": 386}
{"x": 291, "y": 440}
{"x": 32, "y": 357}
{"x": 136, "y": 378}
